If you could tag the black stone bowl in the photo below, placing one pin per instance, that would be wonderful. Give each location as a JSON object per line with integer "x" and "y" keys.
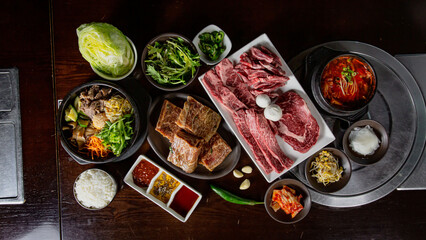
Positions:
{"x": 72, "y": 150}
{"x": 315, "y": 64}
{"x": 162, "y": 38}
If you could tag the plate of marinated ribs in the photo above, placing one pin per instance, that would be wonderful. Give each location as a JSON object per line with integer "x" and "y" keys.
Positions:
{"x": 255, "y": 77}
{"x": 187, "y": 133}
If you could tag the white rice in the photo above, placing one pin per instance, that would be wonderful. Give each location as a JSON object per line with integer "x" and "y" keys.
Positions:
{"x": 95, "y": 188}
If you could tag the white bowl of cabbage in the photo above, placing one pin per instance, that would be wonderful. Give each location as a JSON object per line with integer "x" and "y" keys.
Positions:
{"x": 111, "y": 54}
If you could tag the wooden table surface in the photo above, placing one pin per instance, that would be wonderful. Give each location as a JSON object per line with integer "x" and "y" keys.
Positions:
{"x": 39, "y": 38}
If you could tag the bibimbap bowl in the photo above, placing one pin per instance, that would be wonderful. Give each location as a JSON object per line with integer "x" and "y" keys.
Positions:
{"x": 63, "y": 126}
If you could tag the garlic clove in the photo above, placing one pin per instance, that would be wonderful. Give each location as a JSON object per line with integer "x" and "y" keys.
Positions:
{"x": 237, "y": 174}
{"x": 245, "y": 184}
{"x": 247, "y": 169}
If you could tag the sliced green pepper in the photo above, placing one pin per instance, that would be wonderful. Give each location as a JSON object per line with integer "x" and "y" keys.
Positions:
{"x": 219, "y": 37}
{"x": 232, "y": 197}
{"x": 211, "y": 44}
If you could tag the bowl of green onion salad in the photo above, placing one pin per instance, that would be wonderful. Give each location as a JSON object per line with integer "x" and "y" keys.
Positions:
{"x": 170, "y": 62}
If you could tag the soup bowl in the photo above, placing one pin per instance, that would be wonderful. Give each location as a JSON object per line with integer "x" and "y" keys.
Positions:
{"x": 343, "y": 84}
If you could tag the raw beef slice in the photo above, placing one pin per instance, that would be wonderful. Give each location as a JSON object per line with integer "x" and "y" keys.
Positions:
{"x": 297, "y": 126}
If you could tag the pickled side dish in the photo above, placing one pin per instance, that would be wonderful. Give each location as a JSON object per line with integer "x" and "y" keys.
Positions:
{"x": 326, "y": 169}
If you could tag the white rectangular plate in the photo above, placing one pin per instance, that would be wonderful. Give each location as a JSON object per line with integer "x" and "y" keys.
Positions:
{"x": 128, "y": 179}
{"x": 325, "y": 135}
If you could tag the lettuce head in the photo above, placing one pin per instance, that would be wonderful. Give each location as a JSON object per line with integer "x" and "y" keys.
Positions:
{"x": 106, "y": 48}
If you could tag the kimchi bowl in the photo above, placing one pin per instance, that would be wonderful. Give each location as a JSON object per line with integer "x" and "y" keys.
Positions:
{"x": 345, "y": 85}
{"x": 300, "y": 194}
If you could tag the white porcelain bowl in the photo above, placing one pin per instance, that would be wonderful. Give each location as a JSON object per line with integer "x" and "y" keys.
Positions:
{"x": 226, "y": 41}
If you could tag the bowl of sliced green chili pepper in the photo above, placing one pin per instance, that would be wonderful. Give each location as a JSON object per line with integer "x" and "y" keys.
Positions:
{"x": 212, "y": 44}
{"x": 170, "y": 62}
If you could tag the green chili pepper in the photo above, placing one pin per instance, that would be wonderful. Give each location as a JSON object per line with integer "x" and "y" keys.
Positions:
{"x": 211, "y": 44}
{"x": 218, "y": 38}
{"x": 232, "y": 197}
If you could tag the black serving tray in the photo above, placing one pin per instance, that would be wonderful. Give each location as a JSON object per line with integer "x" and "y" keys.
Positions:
{"x": 11, "y": 180}
{"x": 398, "y": 105}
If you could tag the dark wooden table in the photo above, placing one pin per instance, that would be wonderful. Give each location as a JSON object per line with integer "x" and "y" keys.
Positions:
{"x": 39, "y": 38}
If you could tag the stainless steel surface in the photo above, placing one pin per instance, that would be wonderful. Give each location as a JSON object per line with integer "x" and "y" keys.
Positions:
{"x": 416, "y": 64}
{"x": 11, "y": 175}
{"x": 400, "y": 108}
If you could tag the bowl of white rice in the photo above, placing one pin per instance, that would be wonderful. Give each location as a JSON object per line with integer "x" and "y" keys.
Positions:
{"x": 94, "y": 189}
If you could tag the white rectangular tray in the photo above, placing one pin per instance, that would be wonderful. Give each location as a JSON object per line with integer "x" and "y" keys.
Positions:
{"x": 128, "y": 179}
{"x": 325, "y": 135}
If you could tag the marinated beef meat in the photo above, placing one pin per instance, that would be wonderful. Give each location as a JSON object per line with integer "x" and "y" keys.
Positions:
{"x": 225, "y": 71}
{"x": 185, "y": 150}
{"x": 258, "y": 72}
{"x": 95, "y": 92}
{"x": 92, "y": 100}
{"x": 257, "y": 54}
{"x": 242, "y": 126}
{"x": 91, "y": 108}
{"x": 166, "y": 124}
{"x": 277, "y": 61}
{"x": 214, "y": 152}
{"x": 198, "y": 119}
{"x": 231, "y": 80}
{"x": 221, "y": 93}
{"x": 263, "y": 141}
{"x": 297, "y": 126}
{"x": 271, "y": 142}
{"x": 245, "y": 59}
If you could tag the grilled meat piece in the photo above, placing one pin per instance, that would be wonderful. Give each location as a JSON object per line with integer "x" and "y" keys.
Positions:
{"x": 214, "y": 152}
{"x": 184, "y": 151}
{"x": 166, "y": 124}
{"x": 198, "y": 119}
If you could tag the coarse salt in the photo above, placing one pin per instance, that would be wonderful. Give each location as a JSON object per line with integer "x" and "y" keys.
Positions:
{"x": 95, "y": 188}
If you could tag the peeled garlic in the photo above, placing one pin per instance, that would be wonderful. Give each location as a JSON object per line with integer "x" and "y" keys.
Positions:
{"x": 245, "y": 185}
{"x": 237, "y": 174}
{"x": 247, "y": 169}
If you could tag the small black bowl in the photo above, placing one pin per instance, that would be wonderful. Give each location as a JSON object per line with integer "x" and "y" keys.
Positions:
{"x": 331, "y": 187}
{"x": 316, "y": 63}
{"x": 72, "y": 150}
{"x": 163, "y": 38}
{"x": 380, "y": 132}
{"x": 280, "y": 215}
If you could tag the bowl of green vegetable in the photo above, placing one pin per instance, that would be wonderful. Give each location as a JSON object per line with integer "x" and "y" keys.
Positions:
{"x": 213, "y": 44}
{"x": 170, "y": 62}
{"x": 99, "y": 122}
{"x": 111, "y": 54}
